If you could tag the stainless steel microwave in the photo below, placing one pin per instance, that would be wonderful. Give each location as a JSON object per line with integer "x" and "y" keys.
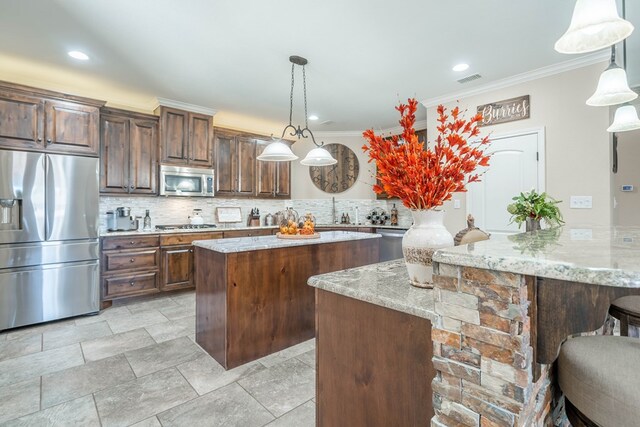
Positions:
{"x": 187, "y": 182}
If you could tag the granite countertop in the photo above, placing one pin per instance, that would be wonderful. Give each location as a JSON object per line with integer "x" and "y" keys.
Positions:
{"x": 105, "y": 233}
{"x": 394, "y": 227}
{"x": 246, "y": 244}
{"x": 385, "y": 284}
{"x": 608, "y": 256}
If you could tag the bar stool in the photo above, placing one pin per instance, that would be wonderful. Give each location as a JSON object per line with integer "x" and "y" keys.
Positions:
{"x": 600, "y": 379}
{"x": 627, "y": 311}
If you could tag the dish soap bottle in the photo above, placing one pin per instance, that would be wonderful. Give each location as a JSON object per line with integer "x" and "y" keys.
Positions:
{"x": 147, "y": 221}
{"x": 394, "y": 215}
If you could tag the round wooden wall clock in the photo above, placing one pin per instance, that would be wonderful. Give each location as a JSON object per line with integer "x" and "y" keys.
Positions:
{"x": 339, "y": 177}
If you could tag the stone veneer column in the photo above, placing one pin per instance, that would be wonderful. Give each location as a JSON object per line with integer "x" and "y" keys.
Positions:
{"x": 481, "y": 352}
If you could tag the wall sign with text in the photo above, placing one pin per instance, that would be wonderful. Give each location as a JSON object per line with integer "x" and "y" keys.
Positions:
{"x": 505, "y": 111}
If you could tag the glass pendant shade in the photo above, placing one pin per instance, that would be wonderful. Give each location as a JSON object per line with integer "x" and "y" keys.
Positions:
{"x": 277, "y": 152}
{"x": 626, "y": 119}
{"x": 318, "y": 157}
{"x": 613, "y": 88}
{"x": 595, "y": 24}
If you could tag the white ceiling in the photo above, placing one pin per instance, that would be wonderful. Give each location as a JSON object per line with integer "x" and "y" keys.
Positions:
{"x": 232, "y": 55}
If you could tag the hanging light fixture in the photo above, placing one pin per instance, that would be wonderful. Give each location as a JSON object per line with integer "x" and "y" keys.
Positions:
{"x": 595, "y": 24}
{"x": 278, "y": 151}
{"x": 626, "y": 119}
{"x": 613, "y": 88}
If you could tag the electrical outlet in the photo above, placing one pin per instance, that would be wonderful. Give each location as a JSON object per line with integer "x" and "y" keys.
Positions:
{"x": 456, "y": 204}
{"x": 581, "y": 234}
{"x": 581, "y": 202}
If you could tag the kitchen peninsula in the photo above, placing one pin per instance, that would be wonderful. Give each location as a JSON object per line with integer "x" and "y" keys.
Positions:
{"x": 497, "y": 316}
{"x": 251, "y": 293}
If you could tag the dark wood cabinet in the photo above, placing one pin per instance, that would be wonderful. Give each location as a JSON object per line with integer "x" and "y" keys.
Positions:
{"x": 186, "y": 137}
{"x": 128, "y": 152}
{"x": 235, "y": 165}
{"x": 273, "y": 179}
{"x": 177, "y": 258}
{"x": 240, "y": 174}
{"x": 177, "y": 267}
{"x": 21, "y": 120}
{"x": 40, "y": 120}
{"x": 129, "y": 266}
{"x": 71, "y": 127}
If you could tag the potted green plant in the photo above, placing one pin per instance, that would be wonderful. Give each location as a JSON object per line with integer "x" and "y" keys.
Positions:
{"x": 532, "y": 207}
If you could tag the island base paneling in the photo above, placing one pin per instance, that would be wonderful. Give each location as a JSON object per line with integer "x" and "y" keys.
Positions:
{"x": 251, "y": 304}
{"x": 373, "y": 364}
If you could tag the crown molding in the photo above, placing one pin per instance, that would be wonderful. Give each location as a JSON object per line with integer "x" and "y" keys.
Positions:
{"x": 183, "y": 106}
{"x": 561, "y": 67}
{"x": 396, "y": 130}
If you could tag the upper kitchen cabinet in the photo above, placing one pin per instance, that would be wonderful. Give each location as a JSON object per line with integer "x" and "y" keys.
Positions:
{"x": 128, "y": 152}
{"x": 41, "y": 120}
{"x": 186, "y": 137}
{"x": 235, "y": 155}
{"x": 273, "y": 178}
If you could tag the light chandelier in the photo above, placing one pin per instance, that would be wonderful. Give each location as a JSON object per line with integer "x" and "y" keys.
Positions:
{"x": 595, "y": 24}
{"x": 278, "y": 151}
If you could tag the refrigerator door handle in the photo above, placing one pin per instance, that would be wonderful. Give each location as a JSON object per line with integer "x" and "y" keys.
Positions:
{"x": 49, "y": 204}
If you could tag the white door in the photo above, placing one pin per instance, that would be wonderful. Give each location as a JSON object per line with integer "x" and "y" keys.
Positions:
{"x": 513, "y": 168}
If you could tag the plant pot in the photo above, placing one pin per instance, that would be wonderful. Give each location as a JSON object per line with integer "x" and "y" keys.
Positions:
{"x": 533, "y": 224}
{"x": 422, "y": 239}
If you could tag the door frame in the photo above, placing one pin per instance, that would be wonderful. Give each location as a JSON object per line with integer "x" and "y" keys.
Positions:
{"x": 541, "y": 132}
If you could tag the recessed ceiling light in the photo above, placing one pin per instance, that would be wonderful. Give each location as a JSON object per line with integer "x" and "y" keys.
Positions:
{"x": 461, "y": 67}
{"x": 76, "y": 54}
{"x": 313, "y": 117}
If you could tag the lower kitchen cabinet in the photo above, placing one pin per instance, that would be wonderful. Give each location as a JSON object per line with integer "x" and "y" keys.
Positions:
{"x": 248, "y": 233}
{"x": 177, "y": 259}
{"x": 130, "y": 267}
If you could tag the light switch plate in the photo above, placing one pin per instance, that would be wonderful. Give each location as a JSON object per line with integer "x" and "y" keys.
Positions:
{"x": 581, "y": 202}
{"x": 456, "y": 204}
{"x": 581, "y": 234}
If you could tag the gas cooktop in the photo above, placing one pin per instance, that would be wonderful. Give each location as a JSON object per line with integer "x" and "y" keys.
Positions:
{"x": 185, "y": 227}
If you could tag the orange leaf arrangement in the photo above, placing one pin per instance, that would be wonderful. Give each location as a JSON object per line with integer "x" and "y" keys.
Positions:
{"x": 424, "y": 177}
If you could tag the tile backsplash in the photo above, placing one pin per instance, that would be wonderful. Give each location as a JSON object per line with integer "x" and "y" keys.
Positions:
{"x": 176, "y": 210}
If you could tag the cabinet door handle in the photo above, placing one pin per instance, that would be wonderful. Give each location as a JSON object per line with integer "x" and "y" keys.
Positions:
{"x": 132, "y": 187}
{"x": 48, "y": 140}
{"x": 191, "y": 250}
{"x": 133, "y": 242}
{"x": 132, "y": 283}
{"x": 132, "y": 260}
{"x": 39, "y": 139}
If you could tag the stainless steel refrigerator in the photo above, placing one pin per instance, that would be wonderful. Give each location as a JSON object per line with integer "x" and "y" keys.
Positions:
{"x": 48, "y": 237}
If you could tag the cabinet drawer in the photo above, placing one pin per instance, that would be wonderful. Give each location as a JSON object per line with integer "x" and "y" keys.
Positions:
{"x": 130, "y": 260}
{"x": 137, "y": 284}
{"x": 187, "y": 238}
{"x": 247, "y": 233}
{"x": 130, "y": 242}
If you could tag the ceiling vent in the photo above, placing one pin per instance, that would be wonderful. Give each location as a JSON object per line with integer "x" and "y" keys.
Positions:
{"x": 470, "y": 78}
{"x": 327, "y": 122}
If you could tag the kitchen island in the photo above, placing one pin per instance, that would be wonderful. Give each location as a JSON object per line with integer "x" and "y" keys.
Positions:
{"x": 251, "y": 293}
{"x": 497, "y": 316}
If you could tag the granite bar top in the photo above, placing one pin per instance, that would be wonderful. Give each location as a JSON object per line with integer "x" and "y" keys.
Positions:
{"x": 246, "y": 244}
{"x": 385, "y": 284}
{"x": 608, "y": 256}
{"x": 390, "y": 227}
{"x": 104, "y": 233}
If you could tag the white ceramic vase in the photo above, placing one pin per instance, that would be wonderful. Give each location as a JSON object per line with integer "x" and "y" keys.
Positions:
{"x": 422, "y": 239}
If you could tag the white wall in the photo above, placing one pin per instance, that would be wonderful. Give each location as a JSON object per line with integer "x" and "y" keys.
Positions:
{"x": 577, "y": 143}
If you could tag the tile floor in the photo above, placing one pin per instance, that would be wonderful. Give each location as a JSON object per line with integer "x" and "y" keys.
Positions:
{"x": 138, "y": 364}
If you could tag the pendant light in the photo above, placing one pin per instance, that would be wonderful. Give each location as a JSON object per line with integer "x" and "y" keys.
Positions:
{"x": 278, "y": 151}
{"x": 626, "y": 119}
{"x": 595, "y": 24}
{"x": 613, "y": 88}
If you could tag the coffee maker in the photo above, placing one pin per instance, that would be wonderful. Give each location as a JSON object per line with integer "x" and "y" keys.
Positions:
{"x": 120, "y": 220}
